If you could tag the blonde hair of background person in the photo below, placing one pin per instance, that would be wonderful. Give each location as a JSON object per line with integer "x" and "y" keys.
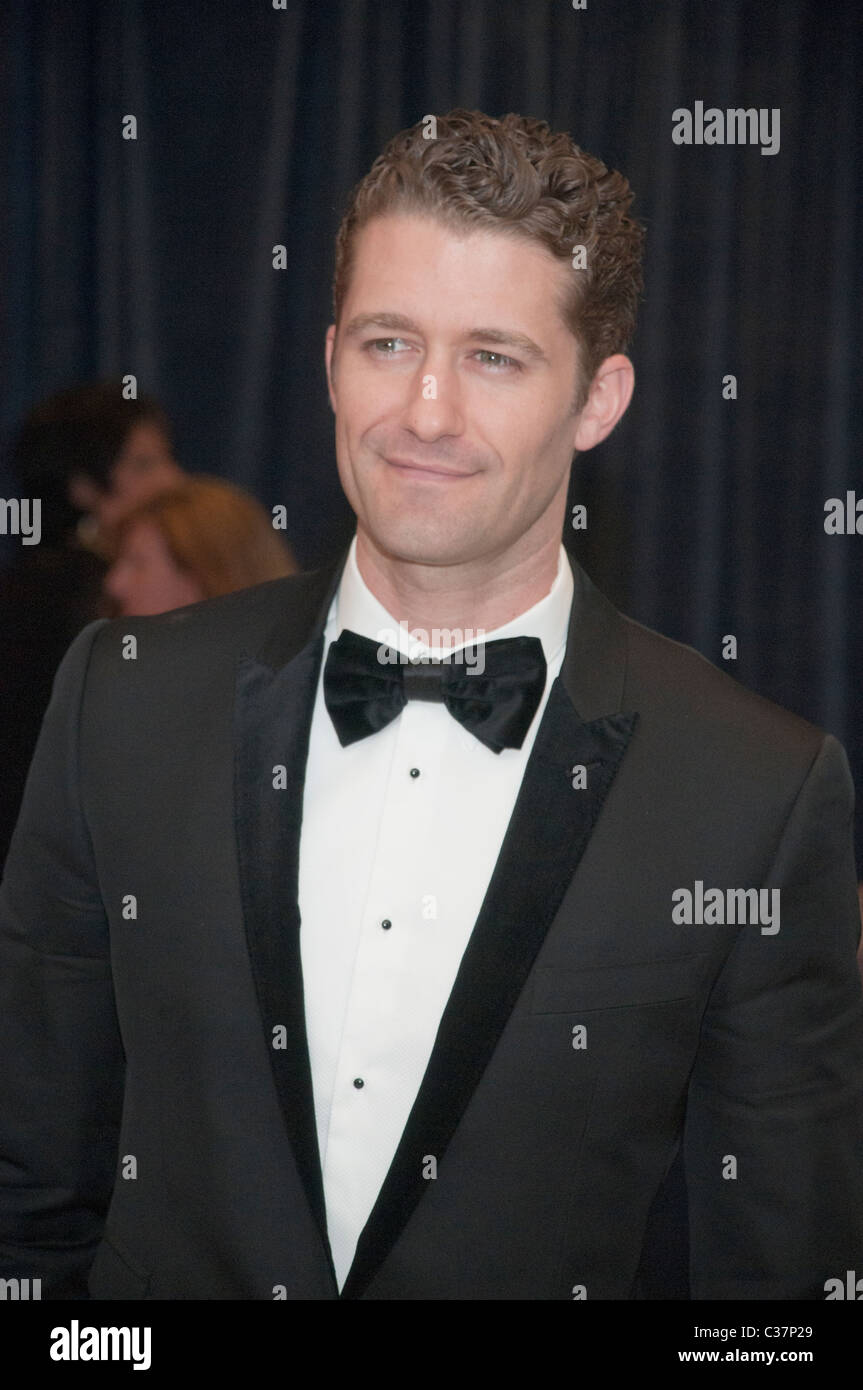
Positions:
{"x": 202, "y": 538}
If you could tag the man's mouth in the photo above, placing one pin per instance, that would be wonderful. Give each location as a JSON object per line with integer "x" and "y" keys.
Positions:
{"x": 423, "y": 470}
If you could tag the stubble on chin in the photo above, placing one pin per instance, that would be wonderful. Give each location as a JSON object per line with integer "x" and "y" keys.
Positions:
{"x": 422, "y": 544}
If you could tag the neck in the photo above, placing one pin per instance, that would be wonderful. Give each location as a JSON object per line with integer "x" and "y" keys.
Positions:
{"x": 481, "y": 595}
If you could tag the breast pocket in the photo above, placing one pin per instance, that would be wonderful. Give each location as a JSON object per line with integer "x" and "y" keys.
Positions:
{"x": 561, "y": 991}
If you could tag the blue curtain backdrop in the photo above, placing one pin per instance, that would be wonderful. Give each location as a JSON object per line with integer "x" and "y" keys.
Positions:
{"x": 155, "y": 257}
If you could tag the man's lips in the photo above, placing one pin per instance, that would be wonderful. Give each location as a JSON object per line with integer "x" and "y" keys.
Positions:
{"x": 408, "y": 466}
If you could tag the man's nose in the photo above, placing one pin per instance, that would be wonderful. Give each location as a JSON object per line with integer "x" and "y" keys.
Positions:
{"x": 434, "y": 405}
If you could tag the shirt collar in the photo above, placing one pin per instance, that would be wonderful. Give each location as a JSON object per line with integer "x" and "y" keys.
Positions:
{"x": 356, "y": 608}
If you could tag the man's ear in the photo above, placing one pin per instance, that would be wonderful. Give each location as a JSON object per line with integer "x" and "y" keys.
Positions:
{"x": 610, "y": 394}
{"x": 328, "y": 355}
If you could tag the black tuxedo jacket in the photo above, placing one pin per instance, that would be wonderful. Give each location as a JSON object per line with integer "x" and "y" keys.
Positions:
{"x": 155, "y": 1142}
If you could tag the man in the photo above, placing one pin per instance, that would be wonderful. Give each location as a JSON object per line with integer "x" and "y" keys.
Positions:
{"x": 332, "y": 971}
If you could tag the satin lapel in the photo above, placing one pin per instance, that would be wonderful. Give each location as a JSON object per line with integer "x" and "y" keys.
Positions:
{"x": 547, "y": 835}
{"x": 274, "y": 702}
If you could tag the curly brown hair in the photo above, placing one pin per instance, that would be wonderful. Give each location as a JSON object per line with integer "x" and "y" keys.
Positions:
{"x": 515, "y": 175}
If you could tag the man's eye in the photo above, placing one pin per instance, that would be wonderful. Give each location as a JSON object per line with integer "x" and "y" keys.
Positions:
{"x": 383, "y": 345}
{"x": 501, "y": 361}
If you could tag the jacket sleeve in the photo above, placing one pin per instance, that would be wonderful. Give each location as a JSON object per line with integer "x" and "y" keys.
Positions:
{"x": 61, "y": 1057}
{"x": 774, "y": 1131}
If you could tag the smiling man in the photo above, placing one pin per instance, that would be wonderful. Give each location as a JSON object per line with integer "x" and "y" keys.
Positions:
{"x": 454, "y": 422}
{"x": 332, "y": 968}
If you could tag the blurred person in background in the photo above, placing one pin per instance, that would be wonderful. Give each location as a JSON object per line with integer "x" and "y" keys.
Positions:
{"x": 90, "y": 450}
{"x": 196, "y": 541}
{"x": 84, "y": 449}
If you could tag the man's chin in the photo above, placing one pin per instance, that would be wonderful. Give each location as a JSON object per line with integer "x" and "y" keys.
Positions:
{"x": 420, "y": 545}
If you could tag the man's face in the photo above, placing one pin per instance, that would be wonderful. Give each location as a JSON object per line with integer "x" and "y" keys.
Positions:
{"x": 452, "y": 381}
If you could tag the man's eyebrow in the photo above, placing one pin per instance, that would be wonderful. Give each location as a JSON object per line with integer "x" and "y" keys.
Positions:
{"x": 505, "y": 337}
{"x": 400, "y": 323}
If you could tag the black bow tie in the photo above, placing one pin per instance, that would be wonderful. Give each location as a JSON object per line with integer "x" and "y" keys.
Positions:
{"x": 366, "y": 684}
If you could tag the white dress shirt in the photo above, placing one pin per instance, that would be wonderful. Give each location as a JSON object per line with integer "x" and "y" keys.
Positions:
{"x": 393, "y": 871}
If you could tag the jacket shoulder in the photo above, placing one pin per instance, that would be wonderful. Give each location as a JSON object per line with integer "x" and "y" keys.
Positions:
{"x": 217, "y": 631}
{"x": 708, "y": 705}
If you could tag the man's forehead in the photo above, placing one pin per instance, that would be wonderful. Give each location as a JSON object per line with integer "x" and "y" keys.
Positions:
{"x": 399, "y": 257}
{"x": 404, "y": 230}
